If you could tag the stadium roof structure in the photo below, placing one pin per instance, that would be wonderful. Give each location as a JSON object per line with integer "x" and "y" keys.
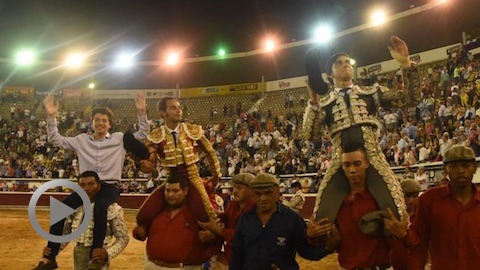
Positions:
{"x": 200, "y": 28}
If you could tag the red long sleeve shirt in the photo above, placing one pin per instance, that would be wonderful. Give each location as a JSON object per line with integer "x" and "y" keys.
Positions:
{"x": 232, "y": 214}
{"x": 449, "y": 230}
{"x": 358, "y": 250}
{"x": 402, "y": 257}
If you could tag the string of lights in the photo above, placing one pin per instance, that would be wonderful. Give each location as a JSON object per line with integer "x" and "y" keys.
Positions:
{"x": 322, "y": 34}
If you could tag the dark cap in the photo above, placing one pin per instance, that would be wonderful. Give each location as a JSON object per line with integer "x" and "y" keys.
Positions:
{"x": 410, "y": 186}
{"x": 243, "y": 178}
{"x": 264, "y": 180}
{"x": 459, "y": 153}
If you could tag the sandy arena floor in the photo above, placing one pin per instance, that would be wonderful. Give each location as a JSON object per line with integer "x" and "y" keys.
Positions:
{"x": 21, "y": 247}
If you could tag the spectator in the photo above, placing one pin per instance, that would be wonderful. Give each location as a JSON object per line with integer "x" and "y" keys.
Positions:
{"x": 298, "y": 200}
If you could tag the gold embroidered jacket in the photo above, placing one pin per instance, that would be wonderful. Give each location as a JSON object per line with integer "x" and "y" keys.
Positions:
{"x": 161, "y": 146}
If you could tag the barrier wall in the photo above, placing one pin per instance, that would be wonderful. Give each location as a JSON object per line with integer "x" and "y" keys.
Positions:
{"x": 134, "y": 201}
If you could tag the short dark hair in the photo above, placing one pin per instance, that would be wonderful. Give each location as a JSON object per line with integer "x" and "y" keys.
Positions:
{"x": 296, "y": 185}
{"x": 331, "y": 61}
{"x": 175, "y": 177}
{"x": 89, "y": 174}
{"x": 162, "y": 104}
{"x": 354, "y": 146}
{"x": 103, "y": 110}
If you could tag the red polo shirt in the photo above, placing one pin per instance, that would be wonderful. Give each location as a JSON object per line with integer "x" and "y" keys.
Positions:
{"x": 175, "y": 240}
{"x": 449, "y": 230}
{"x": 358, "y": 250}
{"x": 232, "y": 214}
{"x": 402, "y": 257}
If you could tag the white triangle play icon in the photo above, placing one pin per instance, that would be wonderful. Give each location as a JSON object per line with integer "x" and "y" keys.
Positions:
{"x": 58, "y": 210}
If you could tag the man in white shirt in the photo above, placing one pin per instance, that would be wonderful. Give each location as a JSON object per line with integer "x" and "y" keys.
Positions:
{"x": 445, "y": 143}
{"x": 298, "y": 200}
{"x": 101, "y": 152}
{"x": 422, "y": 177}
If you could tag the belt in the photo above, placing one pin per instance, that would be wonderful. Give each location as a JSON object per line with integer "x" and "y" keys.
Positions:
{"x": 380, "y": 267}
{"x": 111, "y": 182}
{"x": 167, "y": 264}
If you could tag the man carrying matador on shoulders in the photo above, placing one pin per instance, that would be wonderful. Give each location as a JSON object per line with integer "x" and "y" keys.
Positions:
{"x": 175, "y": 146}
{"x": 348, "y": 113}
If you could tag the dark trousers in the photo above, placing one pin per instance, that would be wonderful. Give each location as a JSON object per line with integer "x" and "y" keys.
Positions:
{"x": 108, "y": 194}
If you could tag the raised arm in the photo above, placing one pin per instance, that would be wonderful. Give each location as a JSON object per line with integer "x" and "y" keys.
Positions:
{"x": 399, "y": 52}
{"x": 143, "y": 126}
{"x": 312, "y": 118}
{"x": 410, "y": 93}
{"x": 51, "y": 106}
{"x": 54, "y": 137}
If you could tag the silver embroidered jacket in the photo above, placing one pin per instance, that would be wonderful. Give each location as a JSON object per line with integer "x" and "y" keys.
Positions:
{"x": 333, "y": 113}
{"x": 353, "y": 117}
{"x": 116, "y": 238}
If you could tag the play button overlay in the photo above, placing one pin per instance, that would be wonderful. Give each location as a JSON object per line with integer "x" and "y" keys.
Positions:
{"x": 59, "y": 211}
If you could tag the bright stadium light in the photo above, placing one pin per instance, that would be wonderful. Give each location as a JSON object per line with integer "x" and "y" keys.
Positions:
{"x": 378, "y": 17}
{"x": 91, "y": 85}
{"x": 269, "y": 45}
{"x": 124, "y": 61}
{"x": 323, "y": 34}
{"x": 352, "y": 61}
{"x": 221, "y": 52}
{"x": 25, "y": 58}
{"x": 75, "y": 60}
{"x": 172, "y": 59}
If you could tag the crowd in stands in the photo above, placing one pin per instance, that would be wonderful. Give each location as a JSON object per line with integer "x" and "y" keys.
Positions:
{"x": 257, "y": 140}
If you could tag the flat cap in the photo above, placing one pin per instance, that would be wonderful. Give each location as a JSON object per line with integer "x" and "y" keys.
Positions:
{"x": 243, "y": 178}
{"x": 459, "y": 153}
{"x": 264, "y": 180}
{"x": 410, "y": 186}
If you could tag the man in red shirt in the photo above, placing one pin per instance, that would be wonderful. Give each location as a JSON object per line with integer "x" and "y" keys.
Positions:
{"x": 448, "y": 217}
{"x": 402, "y": 257}
{"x": 173, "y": 238}
{"x": 242, "y": 201}
{"x": 360, "y": 240}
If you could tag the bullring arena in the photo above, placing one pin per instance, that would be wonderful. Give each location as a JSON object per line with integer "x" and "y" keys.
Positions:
{"x": 22, "y": 245}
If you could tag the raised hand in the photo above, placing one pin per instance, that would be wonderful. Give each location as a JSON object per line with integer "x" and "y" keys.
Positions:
{"x": 51, "y": 106}
{"x": 141, "y": 103}
{"x": 399, "y": 51}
